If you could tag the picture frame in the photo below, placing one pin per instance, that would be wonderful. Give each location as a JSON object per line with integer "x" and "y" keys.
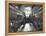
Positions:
{"x": 7, "y": 16}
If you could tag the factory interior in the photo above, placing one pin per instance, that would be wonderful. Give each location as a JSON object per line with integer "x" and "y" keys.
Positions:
{"x": 25, "y": 17}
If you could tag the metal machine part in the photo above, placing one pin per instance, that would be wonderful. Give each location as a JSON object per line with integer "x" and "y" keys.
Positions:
{"x": 24, "y": 17}
{"x": 11, "y": 27}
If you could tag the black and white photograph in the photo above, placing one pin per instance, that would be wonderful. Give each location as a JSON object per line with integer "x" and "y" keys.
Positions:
{"x": 25, "y": 17}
